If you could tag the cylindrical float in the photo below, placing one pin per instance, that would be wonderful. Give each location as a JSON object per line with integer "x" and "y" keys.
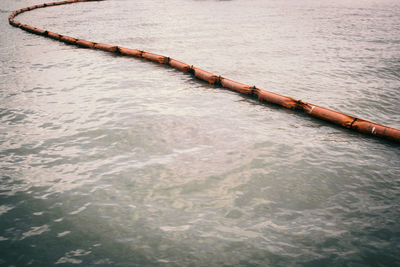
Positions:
{"x": 129, "y": 52}
{"x": 375, "y": 129}
{"x": 106, "y": 47}
{"x": 154, "y": 57}
{"x": 84, "y": 43}
{"x": 54, "y": 35}
{"x": 236, "y": 86}
{"x": 205, "y": 75}
{"x": 274, "y": 98}
{"x": 179, "y": 65}
{"x": 68, "y": 39}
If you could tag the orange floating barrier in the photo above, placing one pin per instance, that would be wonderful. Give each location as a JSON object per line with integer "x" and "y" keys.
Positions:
{"x": 179, "y": 65}
{"x": 106, "y": 47}
{"x": 351, "y": 122}
{"x": 84, "y": 43}
{"x": 154, "y": 57}
{"x": 40, "y": 31}
{"x": 338, "y": 118}
{"x": 375, "y": 129}
{"x": 274, "y": 98}
{"x": 24, "y": 26}
{"x": 205, "y": 75}
{"x": 63, "y": 2}
{"x": 235, "y": 86}
{"x": 54, "y": 35}
{"x": 129, "y": 52}
{"x": 326, "y": 114}
{"x": 67, "y": 39}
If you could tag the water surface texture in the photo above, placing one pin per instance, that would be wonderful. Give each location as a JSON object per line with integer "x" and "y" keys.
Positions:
{"x": 114, "y": 161}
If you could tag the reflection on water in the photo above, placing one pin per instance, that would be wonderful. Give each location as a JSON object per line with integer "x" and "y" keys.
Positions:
{"x": 107, "y": 160}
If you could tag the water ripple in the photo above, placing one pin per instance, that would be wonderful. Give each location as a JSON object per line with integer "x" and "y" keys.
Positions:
{"x": 113, "y": 161}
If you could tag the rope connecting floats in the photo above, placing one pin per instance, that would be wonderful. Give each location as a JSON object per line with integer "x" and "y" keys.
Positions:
{"x": 326, "y": 114}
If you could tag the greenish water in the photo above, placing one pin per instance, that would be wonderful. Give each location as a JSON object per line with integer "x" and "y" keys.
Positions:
{"x": 112, "y": 161}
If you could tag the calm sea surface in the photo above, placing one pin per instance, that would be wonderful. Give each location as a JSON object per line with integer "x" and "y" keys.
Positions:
{"x": 114, "y": 161}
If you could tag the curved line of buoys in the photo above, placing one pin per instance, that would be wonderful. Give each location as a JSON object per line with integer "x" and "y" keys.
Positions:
{"x": 326, "y": 114}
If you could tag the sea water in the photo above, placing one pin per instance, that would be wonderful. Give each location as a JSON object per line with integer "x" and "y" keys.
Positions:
{"x": 115, "y": 161}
